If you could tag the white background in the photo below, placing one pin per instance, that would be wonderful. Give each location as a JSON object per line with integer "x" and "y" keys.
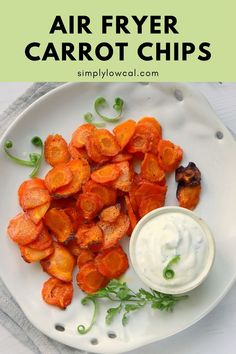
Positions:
{"x": 215, "y": 333}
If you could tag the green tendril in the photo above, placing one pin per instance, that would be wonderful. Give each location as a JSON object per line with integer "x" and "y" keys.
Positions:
{"x": 35, "y": 159}
{"x": 118, "y": 107}
{"x": 81, "y": 328}
{"x": 168, "y": 273}
{"x": 88, "y": 117}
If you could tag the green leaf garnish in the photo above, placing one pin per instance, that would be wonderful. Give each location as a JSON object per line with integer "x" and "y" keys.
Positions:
{"x": 168, "y": 273}
{"x": 35, "y": 159}
{"x": 118, "y": 107}
{"x": 128, "y": 301}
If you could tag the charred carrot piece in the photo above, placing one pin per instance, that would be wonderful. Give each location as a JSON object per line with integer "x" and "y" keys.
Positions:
{"x": 89, "y": 236}
{"x": 188, "y": 196}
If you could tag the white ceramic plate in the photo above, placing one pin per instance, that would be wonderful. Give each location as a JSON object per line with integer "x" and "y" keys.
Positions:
{"x": 188, "y": 120}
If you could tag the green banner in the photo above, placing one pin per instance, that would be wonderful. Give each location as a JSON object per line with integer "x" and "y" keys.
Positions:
{"x": 118, "y": 40}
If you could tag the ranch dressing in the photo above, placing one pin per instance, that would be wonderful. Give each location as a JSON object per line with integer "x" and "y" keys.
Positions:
{"x": 164, "y": 237}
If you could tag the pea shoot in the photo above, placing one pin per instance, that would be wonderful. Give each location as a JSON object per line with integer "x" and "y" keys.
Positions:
{"x": 88, "y": 117}
{"x": 127, "y": 301}
{"x": 35, "y": 159}
{"x": 101, "y": 102}
{"x": 168, "y": 273}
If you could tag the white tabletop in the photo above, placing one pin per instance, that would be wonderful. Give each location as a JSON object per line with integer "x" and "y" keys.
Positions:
{"x": 215, "y": 333}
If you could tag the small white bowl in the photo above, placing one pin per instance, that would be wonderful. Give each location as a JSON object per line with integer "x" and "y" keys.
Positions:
{"x": 139, "y": 269}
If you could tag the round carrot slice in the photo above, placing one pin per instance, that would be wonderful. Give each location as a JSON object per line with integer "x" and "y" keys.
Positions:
{"x": 56, "y": 150}
{"x": 151, "y": 170}
{"x": 110, "y": 214}
{"x": 77, "y": 153}
{"x": 106, "y": 174}
{"x": 107, "y": 194}
{"x": 59, "y": 223}
{"x": 34, "y": 197}
{"x": 60, "y": 263}
{"x": 43, "y": 241}
{"x": 36, "y": 214}
{"x": 89, "y": 236}
{"x": 89, "y": 279}
{"x": 89, "y": 204}
{"x": 57, "y": 177}
{"x": 112, "y": 263}
{"x": 152, "y": 123}
{"x": 188, "y": 196}
{"x": 57, "y": 293}
{"x": 73, "y": 247}
{"x": 80, "y": 174}
{"x": 124, "y": 180}
{"x": 106, "y": 142}
{"x": 22, "y": 230}
{"x": 148, "y": 190}
{"x": 124, "y": 132}
{"x": 84, "y": 257}
{"x": 115, "y": 231}
{"x": 93, "y": 152}
{"x": 169, "y": 155}
{"x": 150, "y": 203}
{"x": 29, "y": 184}
{"x": 131, "y": 214}
{"x": 31, "y": 255}
{"x": 80, "y": 135}
{"x": 122, "y": 156}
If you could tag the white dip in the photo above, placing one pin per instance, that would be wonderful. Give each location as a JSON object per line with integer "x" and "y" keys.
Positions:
{"x": 162, "y": 238}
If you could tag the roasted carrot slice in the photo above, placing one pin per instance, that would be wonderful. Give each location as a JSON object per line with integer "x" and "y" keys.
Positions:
{"x": 81, "y": 135}
{"x": 73, "y": 247}
{"x": 124, "y": 180}
{"x": 189, "y": 175}
{"x": 29, "y": 184}
{"x": 122, "y": 156}
{"x": 124, "y": 132}
{"x": 60, "y": 263}
{"x": 148, "y": 190}
{"x": 59, "y": 224}
{"x": 56, "y": 150}
{"x": 62, "y": 203}
{"x": 89, "y": 204}
{"x": 106, "y": 174}
{"x": 110, "y": 213}
{"x": 114, "y": 232}
{"x": 112, "y": 263}
{"x": 131, "y": 214}
{"x": 75, "y": 217}
{"x": 84, "y": 257}
{"x": 57, "y": 177}
{"x": 89, "y": 279}
{"x": 77, "y": 153}
{"x": 106, "y": 142}
{"x": 31, "y": 255}
{"x": 89, "y": 236}
{"x": 43, "y": 241}
{"x": 188, "y": 196}
{"x": 139, "y": 141}
{"x": 150, "y": 169}
{"x": 80, "y": 174}
{"x": 107, "y": 194}
{"x": 150, "y": 203}
{"x": 93, "y": 152}
{"x": 34, "y": 197}
{"x": 22, "y": 230}
{"x": 169, "y": 155}
{"x": 57, "y": 293}
{"x": 152, "y": 123}
{"x": 36, "y": 214}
